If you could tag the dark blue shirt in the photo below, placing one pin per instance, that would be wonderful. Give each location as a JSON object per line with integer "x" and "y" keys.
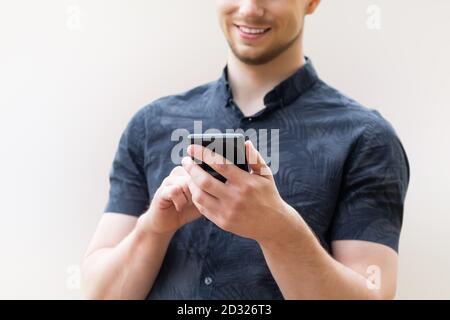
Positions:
{"x": 341, "y": 166}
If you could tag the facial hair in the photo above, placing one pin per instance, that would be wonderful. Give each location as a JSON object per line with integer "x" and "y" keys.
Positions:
{"x": 267, "y": 56}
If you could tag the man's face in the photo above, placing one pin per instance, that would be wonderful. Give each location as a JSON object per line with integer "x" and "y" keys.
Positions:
{"x": 258, "y": 31}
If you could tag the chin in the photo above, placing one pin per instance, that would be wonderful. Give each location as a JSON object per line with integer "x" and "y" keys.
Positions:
{"x": 252, "y": 60}
{"x": 248, "y": 54}
{"x": 253, "y": 57}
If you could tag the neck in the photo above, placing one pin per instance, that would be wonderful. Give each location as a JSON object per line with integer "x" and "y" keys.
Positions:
{"x": 250, "y": 83}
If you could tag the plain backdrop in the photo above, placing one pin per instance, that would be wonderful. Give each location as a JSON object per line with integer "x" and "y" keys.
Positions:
{"x": 72, "y": 73}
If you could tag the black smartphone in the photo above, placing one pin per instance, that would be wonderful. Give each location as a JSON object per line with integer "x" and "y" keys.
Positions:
{"x": 229, "y": 145}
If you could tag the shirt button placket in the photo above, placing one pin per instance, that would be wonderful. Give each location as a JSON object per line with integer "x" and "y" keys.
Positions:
{"x": 207, "y": 273}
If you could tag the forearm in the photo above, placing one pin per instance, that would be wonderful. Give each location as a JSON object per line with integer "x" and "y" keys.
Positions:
{"x": 126, "y": 271}
{"x": 304, "y": 270}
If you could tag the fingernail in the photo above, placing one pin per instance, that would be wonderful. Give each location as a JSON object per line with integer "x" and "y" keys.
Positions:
{"x": 189, "y": 149}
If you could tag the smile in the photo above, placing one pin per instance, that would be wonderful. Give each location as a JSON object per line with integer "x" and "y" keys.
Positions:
{"x": 251, "y": 33}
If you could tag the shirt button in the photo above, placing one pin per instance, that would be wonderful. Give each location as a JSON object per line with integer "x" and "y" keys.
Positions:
{"x": 250, "y": 119}
{"x": 208, "y": 281}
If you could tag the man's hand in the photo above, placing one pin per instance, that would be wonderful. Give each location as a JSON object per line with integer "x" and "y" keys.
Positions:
{"x": 172, "y": 206}
{"x": 126, "y": 253}
{"x": 248, "y": 204}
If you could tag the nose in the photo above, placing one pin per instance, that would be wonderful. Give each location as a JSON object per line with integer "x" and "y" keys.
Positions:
{"x": 251, "y": 9}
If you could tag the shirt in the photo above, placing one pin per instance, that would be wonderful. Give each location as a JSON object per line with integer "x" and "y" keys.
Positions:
{"x": 339, "y": 164}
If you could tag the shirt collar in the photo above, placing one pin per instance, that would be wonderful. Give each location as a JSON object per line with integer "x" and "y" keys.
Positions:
{"x": 282, "y": 94}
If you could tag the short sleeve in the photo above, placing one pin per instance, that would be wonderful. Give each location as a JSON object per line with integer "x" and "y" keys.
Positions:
{"x": 128, "y": 193}
{"x": 375, "y": 181}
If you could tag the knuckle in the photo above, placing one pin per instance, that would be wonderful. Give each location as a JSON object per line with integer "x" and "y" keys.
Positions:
{"x": 204, "y": 183}
{"x": 232, "y": 217}
{"x": 224, "y": 224}
{"x": 224, "y": 167}
{"x": 198, "y": 197}
{"x": 179, "y": 181}
{"x": 215, "y": 159}
{"x": 231, "y": 208}
{"x": 176, "y": 170}
{"x": 235, "y": 207}
{"x": 165, "y": 181}
{"x": 170, "y": 193}
{"x": 184, "y": 183}
{"x": 174, "y": 191}
{"x": 246, "y": 188}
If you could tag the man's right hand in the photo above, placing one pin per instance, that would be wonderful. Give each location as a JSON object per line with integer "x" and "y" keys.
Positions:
{"x": 171, "y": 207}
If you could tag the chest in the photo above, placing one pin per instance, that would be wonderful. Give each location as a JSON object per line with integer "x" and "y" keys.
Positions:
{"x": 307, "y": 161}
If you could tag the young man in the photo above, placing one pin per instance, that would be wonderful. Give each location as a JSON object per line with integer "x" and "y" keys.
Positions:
{"x": 326, "y": 225}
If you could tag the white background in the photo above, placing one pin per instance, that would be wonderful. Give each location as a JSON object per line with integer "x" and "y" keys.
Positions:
{"x": 67, "y": 91}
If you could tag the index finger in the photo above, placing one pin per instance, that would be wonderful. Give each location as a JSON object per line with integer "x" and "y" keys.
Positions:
{"x": 219, "y": 163}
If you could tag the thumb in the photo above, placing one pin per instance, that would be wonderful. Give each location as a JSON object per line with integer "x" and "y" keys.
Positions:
{"x": 255, "y": 161}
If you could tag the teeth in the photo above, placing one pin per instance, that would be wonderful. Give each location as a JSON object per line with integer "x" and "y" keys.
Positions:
{"x": 252, "y": 30}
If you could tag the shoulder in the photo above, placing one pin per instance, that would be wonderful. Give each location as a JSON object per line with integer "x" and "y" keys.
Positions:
{"x": 183, "y": 100}
{"x": 180, "y": 104}
{"x": 374, "y": 143}
{"x": 373, "y": 135}
{"x": 363, "y": 120}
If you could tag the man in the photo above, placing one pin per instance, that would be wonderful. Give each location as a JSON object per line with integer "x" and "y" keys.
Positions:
{"x": 326, "y": 225}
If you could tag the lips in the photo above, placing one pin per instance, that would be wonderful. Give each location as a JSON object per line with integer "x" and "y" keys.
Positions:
{"x": 251, "y": 33}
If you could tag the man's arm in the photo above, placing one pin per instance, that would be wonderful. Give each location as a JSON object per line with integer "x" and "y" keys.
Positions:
{"x": 304, "y": 270}
{"x": 126, "y": 253}
{"x": 123, "y": 260}
{"x": 250, "y": 206}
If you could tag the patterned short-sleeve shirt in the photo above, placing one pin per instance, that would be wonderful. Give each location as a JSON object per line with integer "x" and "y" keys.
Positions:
{"x": 339, "y": 164}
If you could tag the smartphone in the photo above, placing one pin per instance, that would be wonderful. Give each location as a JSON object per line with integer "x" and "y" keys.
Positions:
{"x": 229, "y": 145}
